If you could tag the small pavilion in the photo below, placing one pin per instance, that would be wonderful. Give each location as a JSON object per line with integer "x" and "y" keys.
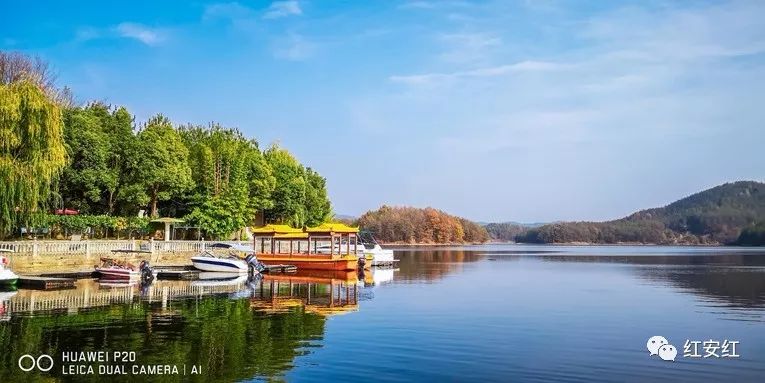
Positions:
{"x": 168, "y": 222}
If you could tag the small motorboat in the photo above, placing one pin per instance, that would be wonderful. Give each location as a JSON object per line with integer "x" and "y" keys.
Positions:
{"x": 374, "y": 253}
{"x": 7, "y": 277}
{"x": 225, "y": 258}
{"x": 112, "y": 269}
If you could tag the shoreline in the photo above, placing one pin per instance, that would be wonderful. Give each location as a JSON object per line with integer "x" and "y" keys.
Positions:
{"x": 407, "y": 244}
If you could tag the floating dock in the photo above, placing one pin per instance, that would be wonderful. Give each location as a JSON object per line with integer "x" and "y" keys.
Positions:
{"x": 177, "y": 274}
{"x": 45, "y": 282}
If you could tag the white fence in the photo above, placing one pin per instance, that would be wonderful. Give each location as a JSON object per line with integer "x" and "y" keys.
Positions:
{"x": 89, "y": 247}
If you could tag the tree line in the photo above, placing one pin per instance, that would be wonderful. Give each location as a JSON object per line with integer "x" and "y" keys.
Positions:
{"x": 732, "y": 213}
{"x": 413, "y": 225}
{"x": 96, "y": 159}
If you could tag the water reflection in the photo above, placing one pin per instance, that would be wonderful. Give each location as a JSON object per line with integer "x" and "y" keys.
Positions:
{"x": 731, "y": 276}
{"x": 235, "y": 329}
{"x": 430, "y": 265}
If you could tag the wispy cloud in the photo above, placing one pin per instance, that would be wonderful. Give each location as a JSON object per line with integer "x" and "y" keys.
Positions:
{"x": 500, "y": 70}
{"x": 144, "y": 34}
{"x": 140, "y": 32}
{"x": 279, "y": 9}
{"x": 471, "y": 47}
{"x": 293, "y": 47}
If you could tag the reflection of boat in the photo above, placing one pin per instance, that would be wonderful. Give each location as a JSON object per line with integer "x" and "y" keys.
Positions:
{"x": 230, "y": 262}
{"x": 117, "y": 282}
{"x": 322, "y": 292}
{"x": 209, "y": 278}
{"x": 7, "y": 277}
{"x": 379, "y": 276}
{"x": 5, "y": 296}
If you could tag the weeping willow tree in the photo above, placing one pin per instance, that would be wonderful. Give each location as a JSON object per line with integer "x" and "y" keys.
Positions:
{"x": 32, "y": 152}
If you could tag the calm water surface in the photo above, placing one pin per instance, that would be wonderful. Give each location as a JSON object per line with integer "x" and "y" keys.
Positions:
{"x": 484, "y": 313}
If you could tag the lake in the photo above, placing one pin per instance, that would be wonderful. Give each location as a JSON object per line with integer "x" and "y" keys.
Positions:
{"x": 475, "y": 313}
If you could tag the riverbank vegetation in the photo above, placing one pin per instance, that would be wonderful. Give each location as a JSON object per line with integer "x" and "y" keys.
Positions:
{"x": 725, "y": 214}
{"x": 95, "y": 158}
{"x": 391, "y": 224}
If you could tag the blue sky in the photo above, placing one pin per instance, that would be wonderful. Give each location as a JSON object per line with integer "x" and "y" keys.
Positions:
{"x": 493, "y": 110}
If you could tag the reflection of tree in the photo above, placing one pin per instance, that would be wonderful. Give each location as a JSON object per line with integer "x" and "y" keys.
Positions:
{"x": 431, "y": 265}
{"x": 733, "y": 279}
{"x": 736, "y": 287}
{"x": 226, "y": 337}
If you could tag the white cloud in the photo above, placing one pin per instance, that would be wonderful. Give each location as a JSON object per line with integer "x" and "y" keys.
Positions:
{"x": 140, "y": 32}
{"x": 466, "y": 47}
{"x": 279, "y": 9}
{"x": 146, "y": 35}
{"x": 500, "y": 70}
{"x": 293, "y": 47}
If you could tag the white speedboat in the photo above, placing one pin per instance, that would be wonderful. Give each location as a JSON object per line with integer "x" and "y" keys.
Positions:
{"x": 374, "y": 253}
{"x": 379, "y": 255}
{"x": 7, "y": 277}
{"x": 224, "y": 258}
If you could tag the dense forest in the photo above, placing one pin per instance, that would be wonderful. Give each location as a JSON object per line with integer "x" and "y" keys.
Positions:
{"x": 96, "y": 160}
{"x": 733, "y": 213}
{"x": 506, "y": 231}
{"x": 391, "y": 224}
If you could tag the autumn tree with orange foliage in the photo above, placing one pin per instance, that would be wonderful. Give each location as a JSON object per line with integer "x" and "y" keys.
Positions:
{"x": 413, "y": 225}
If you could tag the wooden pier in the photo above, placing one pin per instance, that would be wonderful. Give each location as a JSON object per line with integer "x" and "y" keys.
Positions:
{"x": 45, "y": 283}
{"x": 177, "y": 274}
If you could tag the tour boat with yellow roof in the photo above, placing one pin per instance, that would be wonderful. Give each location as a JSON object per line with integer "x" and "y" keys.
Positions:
{"x": 282, "y": 244}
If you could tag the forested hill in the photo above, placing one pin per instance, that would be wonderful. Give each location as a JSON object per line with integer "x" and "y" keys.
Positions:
{"x": 715, "y": 216}
{"x": 393, "y": 224}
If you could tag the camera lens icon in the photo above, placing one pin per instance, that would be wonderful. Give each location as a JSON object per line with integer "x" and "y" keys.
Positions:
{"x": 44, "y": 363}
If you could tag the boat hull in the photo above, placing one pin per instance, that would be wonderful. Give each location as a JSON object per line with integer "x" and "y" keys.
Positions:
{"x": 318, "y": 262}
{"x": 219, "y": 265}
{"x": 114, "y": 273}
{"x": 7, "y": 277}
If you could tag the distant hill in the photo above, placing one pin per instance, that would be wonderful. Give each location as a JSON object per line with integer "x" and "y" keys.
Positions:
{"x": 715, "y": 216}
{"x": 401, "y": 224}
{"x": 345, "y": 218}
{"x": 508, "y": 231}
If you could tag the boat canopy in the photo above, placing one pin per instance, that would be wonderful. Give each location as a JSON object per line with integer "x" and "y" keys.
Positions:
{"x": 291, "y": 236}
{"x": 338, "y": 228}
{"x": 236, "y": 247}
{"x": 276, "y": 229}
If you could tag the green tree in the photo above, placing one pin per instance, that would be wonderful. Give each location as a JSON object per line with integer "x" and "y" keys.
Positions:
{"x": 32, "y": 152}
{"x": 289, "y": 195}
{"x": 232, "y": 179}
{"x": 161, "y": 164}
{"x": 83, "y": 182}
{"x": 100, "y": 143}
{"x": 318, "y": 208}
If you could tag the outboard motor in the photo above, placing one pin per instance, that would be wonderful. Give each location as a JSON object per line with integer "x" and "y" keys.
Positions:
{"x": 147, "y": 274}
{"x": 253, "y": 265}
